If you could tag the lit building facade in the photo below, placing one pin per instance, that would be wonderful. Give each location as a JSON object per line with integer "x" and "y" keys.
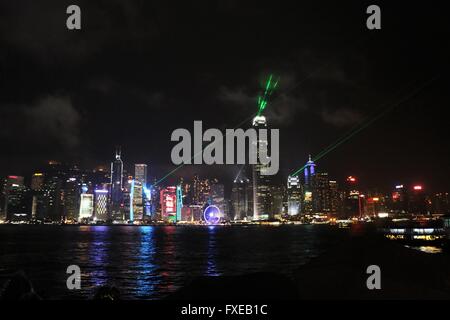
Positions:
{"x": 37, "y": 181}
{"x": 71, "y": 199}
{"x": 86, "y": 206}
{"x": 200, "y": 191}
{"x": 101, "y": 205}
{"x": 322, "y": 193}
{"x": 14, "y": 196}
{"x": 335, "y": 198}
{"x": 117, "y": 201}
{"x": 217, "y": 196}
{"x": 140, "y": 174}
{"x": 262, "y": 183}
{"x": 137, "y": 201}
{"x": 242, "y": 199}
{"x": 400, "y": 199}
{"x": 353, "y": 198}
{"x": 417, "y": 200}
{"x": 294, "y": 195}
{"x": 168, "y": 200}
{"x": 308, "y": 186}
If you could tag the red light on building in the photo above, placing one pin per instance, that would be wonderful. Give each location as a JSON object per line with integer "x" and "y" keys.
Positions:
{"x": 396, "y": 196}
{"x": 351, "y": 179}
{"x": 13, "y": 177}
{"x": 417, "y": 188}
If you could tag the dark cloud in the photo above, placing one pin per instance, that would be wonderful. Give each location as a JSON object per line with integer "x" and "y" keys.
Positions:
{"x": 51, "y": 121}
{"x": 135, "y": 93}
{"x": 341, "y": 117}
{"x": 282, "y": 106}
{"x": 54, "y": 118}
{"x": 237, "y": 97}
{"x": 39, "y": 29}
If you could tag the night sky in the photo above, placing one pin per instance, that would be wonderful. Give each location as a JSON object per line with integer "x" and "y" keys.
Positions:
{"x": 140, "y": 69}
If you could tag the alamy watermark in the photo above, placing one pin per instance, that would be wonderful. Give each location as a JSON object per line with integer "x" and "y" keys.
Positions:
{"x": 256, "y": 141}
{"x": 74, "y": 280}
{"x": 374, "y": 280}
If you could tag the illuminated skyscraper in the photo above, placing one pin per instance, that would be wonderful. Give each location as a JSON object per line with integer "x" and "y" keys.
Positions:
{"x": 52, "y": 204}
{"x": 37, "y": 181}
{"x": 262, "y": 197}
{"x": 86, "y": 206}
{"x": 400, "y": 199}
{"x": 37, "y": 188}
{"x": 308, "y": 186}
{"x": 140, "y": 182}
{"x": 217, "y": 196}
{"x": 186, "y": 214}
{"x": 140, "y": 174}
{"x": 417, "y": 200}
{"x": 441, "y": 203}
{"x": 13, "y": 199}
{"x": 310, "y": 173}
{"x": 353, "y": 205}
{"x": 101, "y": 205}
{"x": 294, "y": 193}
{"x": 322, "y": 193}
{"x": 200, "y": 191}
{"x": 179, "y": 203}
{"x": 277, "y": 192}
{"x": 168, "y": 199}
{"x": 117, "y": 212}
{"x": 137, "y": 202}
{"x": 241, "y": 198}
{"x": 336, "y": 203}
{"x": 71, "y": 198}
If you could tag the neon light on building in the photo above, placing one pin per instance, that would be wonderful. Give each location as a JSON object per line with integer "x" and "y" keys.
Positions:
{"x": 168, "y": 199}
{"x": 131, "y": 201}
{"x": 101, "y": 205}
{"x": 179, "y": 197}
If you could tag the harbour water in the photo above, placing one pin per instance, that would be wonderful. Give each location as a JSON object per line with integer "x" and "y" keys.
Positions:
{"x": 150, "y": 262}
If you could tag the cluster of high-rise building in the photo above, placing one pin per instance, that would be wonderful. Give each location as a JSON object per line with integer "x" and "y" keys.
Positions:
{"x": 62, "y": 193}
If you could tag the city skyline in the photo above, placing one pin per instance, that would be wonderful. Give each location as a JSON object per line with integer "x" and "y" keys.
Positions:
{"x": 65, "y": 193}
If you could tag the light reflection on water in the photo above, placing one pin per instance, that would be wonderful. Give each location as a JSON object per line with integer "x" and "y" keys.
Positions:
{"x": 427, "y": 249}
{"x": 146, "y": 277}
{"x": 211, "y": 269}
{"x": 149, "y": 262}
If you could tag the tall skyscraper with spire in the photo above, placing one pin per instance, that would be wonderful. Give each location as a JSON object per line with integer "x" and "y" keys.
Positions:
{"x": 309, "y": 184}
{"x": 262, "y": 197}
{"x": 117, "y": 212}
{"x": 310, "y": 172}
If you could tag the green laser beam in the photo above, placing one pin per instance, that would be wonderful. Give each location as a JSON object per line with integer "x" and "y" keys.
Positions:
{"x": 367, "y": 123}
{"x": 355, "y": 127}
{"x": 268, "y": 90}
{"x": 295, "y": 86}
